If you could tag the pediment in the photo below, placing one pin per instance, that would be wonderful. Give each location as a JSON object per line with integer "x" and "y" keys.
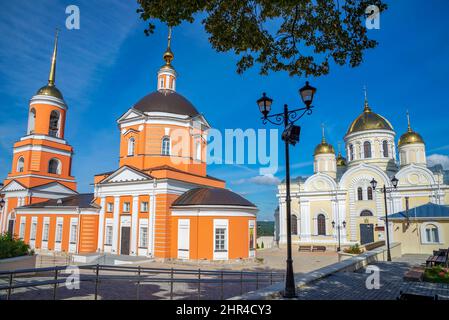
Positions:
{"x": 13, "y": 186}
{"x": 131, "y": 114}
{"x": 54, "y": 187}
{"x": 126, "y": 174}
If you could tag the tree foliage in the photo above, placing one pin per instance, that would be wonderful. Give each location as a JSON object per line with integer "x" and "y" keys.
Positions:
{"x": 300, "y": 37}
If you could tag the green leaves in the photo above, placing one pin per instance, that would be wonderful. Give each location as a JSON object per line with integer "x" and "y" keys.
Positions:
{"x": 300, "y": 37}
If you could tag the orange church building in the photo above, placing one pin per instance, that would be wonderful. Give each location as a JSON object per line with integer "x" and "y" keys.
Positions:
{"x": 159, "y": 203}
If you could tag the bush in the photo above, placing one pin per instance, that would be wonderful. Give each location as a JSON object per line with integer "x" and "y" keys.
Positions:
{"x": 437, "y": 274}
{"x": 263, "y": 245}
{"x": 355, "y": 249}
{"x": 11, "y": 247}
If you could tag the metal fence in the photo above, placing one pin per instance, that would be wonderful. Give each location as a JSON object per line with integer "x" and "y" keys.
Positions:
{"x": 117, "y": 280}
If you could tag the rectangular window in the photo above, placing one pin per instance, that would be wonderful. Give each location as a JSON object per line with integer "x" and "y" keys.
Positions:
{"x": 251, "y": 238}
{"x": 33, "y": 231}
{"x": 59, "y": 233}
{"x": 144, "y": 206}
{"x": 73, "y": 233}
{"x": 45, "y": 232}
{"x": 126, "y": 206}
{"x": 110, "y": 207}
{"x": 108, "y": 240}
{"x": 220, "y": 239}
{"x": 22, "y": 230}
{"x": 143, "y": 237}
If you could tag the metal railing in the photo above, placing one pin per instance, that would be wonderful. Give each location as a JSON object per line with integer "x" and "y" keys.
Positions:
{"x": 200, "y": 280}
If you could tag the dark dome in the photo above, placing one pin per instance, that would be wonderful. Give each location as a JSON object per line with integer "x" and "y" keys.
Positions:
{"x": 166, "y": 101}
{"x": 211, "y": 197}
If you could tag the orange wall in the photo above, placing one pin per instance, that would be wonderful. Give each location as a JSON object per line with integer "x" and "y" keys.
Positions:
{"x": 202, "y": 237}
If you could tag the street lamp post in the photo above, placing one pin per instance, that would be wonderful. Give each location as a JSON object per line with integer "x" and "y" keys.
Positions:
{"x": 385, "y": 190}
{"x": 290, "y": 136}
{"x": 339, "y": 227}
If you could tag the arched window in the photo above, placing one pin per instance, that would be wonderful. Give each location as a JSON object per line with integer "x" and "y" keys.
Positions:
{"x": 370, "y": 193}
{"x": 432, "y": 234}
{"x": 366, "y": 213}
{"x": 165, "y": 146}
{"x": 20, "y": 164}
{"x": 321, "y": 224}
{"x": 367, "y": 149}
{"x": 294, "y": 225}
{"x": 131, "y": 146}
{"x": 31, "y": 121}
{"x": 351, "y": 152}
{"x": 359, "y": 193}
{"x": 54, "y": 166}
{"x": 53, "y": 130}
{"x": 385, "y": 148}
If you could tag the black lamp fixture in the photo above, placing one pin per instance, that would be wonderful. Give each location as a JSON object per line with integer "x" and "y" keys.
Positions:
{"x": 290, "y": 136}
{"x": 2, "y": 203}
{"x": 307, "y": 92}
{"x": 264, "y": 104}
{"x": 385, "y": 190}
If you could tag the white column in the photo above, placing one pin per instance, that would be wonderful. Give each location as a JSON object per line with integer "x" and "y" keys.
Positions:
{"x": 335, "y": 218}
{"x": 305, "y": 221}
{"x": 5, "y": 216}
{"x": 152, "y": 223}
{"x": 342, "y": 217}
{"x": 116, "y": 224}
{"x": 134, "y": 225}
{"x": 101, "y": 225}
{"x": 282, "y": 222}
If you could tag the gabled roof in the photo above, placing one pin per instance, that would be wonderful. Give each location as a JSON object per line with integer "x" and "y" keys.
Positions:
{"x": 211, "y": 197}
{"x": 13, "y": 185}
{"x": 427, "y": 211}
{"x": 126, "y": 173}
{"x": 82, "y": 201}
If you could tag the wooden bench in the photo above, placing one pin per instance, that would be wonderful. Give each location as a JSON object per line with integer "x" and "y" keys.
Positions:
{"x": 439, "y": 257}
{"x": 319, "y": 249}
{"x": 305, "y": 248}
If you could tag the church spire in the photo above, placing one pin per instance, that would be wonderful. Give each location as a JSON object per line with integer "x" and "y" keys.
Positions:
{"x": 366, "y": 105}
{"x": 409, "y": 127}
{"x": 166, "y": 77}
{"x": 52, "y": 75}
{"x": 323, "y": 140}
{"x": 50, "y": 89}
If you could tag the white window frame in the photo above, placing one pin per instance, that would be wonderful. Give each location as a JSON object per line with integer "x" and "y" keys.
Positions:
{"x": 33, "y": 231}
{"x": 143, "y": 236}
{"x": 126, "y": 207}
{"x": 110, "y": 207}
{"x": 184, "y": 245}
{"x": 108, "y": 236}
{"x": 166, "y": 146}
{"x": 131, "y": 146}
{"x": 424, "y": 233}
{"x": 144, "y": 206}
{"x": 73, "y": 231}
{"x": 45, "y": 231}
{"x": 59, "y": 232}
{"x": 20, "y": 164}
{"x": 221, "y": 254}
{"x": 22, "y": 227}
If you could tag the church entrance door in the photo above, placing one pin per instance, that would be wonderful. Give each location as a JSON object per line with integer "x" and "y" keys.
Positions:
{"x": 366, "y": 233}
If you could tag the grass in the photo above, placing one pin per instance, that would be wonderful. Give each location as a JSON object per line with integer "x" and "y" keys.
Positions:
{"x": 437, "y": 274}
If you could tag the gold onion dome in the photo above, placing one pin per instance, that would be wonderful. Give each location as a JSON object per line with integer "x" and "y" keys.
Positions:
{"x": 369, "y": 120}
{"x": 324, "y": 147}
{"x": 341, "y": 161}
{"x": 50, "y": 89}
{"x": 410, "y": 136}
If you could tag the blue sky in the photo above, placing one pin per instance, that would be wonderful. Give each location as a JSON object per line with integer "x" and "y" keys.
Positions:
{"x": 109, "y": 64}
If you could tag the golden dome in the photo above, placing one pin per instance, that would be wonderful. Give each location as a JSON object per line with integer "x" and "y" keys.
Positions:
{"x": 324, "y": 148}
{"x": 410, "y": 136}
{"x": 168, "y": 56}
{"x": 369, "y": 120}
{"x": 341, "y": 161}
{"x": 51, "y": 91}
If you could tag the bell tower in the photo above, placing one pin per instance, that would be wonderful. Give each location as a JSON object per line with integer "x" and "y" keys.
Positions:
{"x": 166, "y": 77}
{"x": 43, "y": 155}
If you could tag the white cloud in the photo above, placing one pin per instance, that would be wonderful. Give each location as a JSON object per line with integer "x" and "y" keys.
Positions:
{"x": 265, "y": 180}
{"x": 438, "y": 159}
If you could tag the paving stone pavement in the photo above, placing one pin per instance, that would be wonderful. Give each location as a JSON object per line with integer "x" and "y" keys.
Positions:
{"x": 352, "y": 285}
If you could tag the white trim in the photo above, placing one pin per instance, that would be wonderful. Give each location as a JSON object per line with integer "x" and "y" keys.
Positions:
{"x": 424, "y": 236}
{"x": 42, "y": 149}
{"x": 42, "y": 177}
{"x": 43, "y": 137}
{"x": 221, "y": 255}
{"x": 184, "y": 242}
